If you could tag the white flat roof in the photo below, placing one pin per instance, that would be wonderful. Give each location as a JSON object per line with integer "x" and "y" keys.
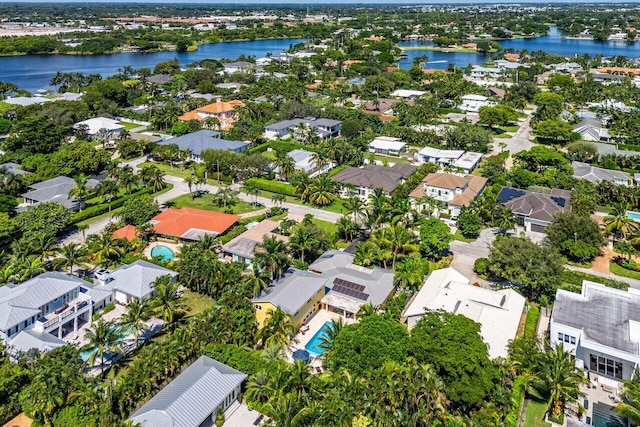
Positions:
{"x": 98, "y": 123}
{"x": 440, "y": 154}
{"x": 468, "y": 160}
{"x": 387, "y": 143}
{"x": 405, "y": 93}
{"x": 472, "y": 97}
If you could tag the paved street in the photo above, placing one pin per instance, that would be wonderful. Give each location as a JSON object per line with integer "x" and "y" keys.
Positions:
{"x": 465, "y": 254}
{"x": 520, "y": 141}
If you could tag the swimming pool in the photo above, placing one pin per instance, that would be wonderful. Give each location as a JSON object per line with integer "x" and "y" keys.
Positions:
{"x": 634, "y": 216}
{"x": 313, "y": 346}
{"x": 124, "y": 333}
{"x": 163, "y": 251}
{"x": 604, "y": 416}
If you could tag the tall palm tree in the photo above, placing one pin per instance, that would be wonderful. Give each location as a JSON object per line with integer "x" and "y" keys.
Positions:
{"x": 167, "y": 299}
{"x": 401, "y": 241}
{"x": 271, "y": 255}
{"x": 322, "y": 190}
{"x": 630, "y": 407}
{"x": 103, "y": 338}
{"x": 80, "y": 190}
{"x": 332, "y": 331}
{"x": 109, "y": 190}
{"x": 153, "y": 177}
{"x": 29, "y": 267}
{"x": 286, "y": 165}
{"x": 278, "y": 199}
{"x": 44, "y": 245}
{"x": 278, "y": 328}
{"x": 258, "y": 280}
{"x": 104, "y": 249}
{"x": 355, "y": 206}
{"x": 138, "y": 312}
{"x": 189, "y": 180}
{"x": 364, "y": 255}
{"x": 503, "y": 219}
{"x": 618, "y": 222}
{"x": 347, "y": 229}
{"x": 302, "y": 241}
{"x": 409, "y": 273}
{"x": 252, "y": 190}
{"x": 72, "y": 254}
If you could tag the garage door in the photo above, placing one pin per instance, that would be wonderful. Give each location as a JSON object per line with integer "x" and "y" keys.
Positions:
{"x": 538, "y": 228}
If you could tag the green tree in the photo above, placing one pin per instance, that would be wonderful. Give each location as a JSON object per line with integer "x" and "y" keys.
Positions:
{"x": 138, "y": 312}
{"x": 555, "y": 131}
{"x": 619, "y": 224}
{"x": 469, "y": 223}
{"x": 278, "y": 328}
{"x": 139, "y": 210}
{"x": 410, "y": 273}
{"x": 435, "y": 237}
{"x": 48, "y": 217}
{"x": 167, "y": 300}
{"x": 549, "y": 105}
{"x": 271, "y": 255}
{"x": 500, "y": 115}
{"x": 109, "y": 190}
{"x": 582, "y": 151}
{"x": 102, "y": 338}
{"x": 72, "y": 254}
{"x": 574, "y": 236}
{"x": 630, "y": 407}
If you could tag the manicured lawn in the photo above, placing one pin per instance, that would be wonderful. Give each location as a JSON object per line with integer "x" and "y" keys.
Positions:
{"x": 175, "y": 171}
{"x": 329, "y": 227}
{"x": 194, "y": 303}
{"x": 621, "y": 271}
{"x": 204, "y": 202}
{"x": 337, "y": 206}
{"x": 535, "y": 414}
{"x": 513, "y": 128}
{"x": 532, "y": 321}
{"x": 392, "y": 159}
{"x": 502, "y": 136}
{"x": 129, "y": 125}
{"x": 458, "y": 236}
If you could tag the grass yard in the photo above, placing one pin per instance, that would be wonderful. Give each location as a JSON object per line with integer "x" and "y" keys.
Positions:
{"x": 532, "y": 321}
{"x": 337, "y": 206}
{"x": 327, "y": 226}
{"x": 392, "y": 159}
{"x": 195, "y": 303}
{"x": 175, "y": 171}
{"x": 512, "y": 128}
{"x": 129, "y": 125}
{"x": 458, "y": 236}
{"x": 535, "y": 414}
{"x": 621, "y": 271}
{"x": 204, "y": 202}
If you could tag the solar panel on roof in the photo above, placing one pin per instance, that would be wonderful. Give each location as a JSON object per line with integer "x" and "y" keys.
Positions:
{"x": 508, "y": 193}
{"x": 349, "y": 285}
{"x": 350, "y": 289}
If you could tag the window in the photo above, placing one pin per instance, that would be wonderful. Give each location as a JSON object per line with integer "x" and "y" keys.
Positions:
{"x": 605, "y": 366}
{"x": 573, "y": 340}
{"x": 566, "y": 338}
{"x": 560, "y": 335}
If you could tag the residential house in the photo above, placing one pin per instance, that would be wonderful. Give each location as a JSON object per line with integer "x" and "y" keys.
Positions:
{"x": 533, "y": 210}
{"x": 101, "y": 125}
{"x": 454, "y": 159}
{"x": 194, "y": 398}
{"x": 238, "y": 67}
{"x": 486, "y": 73}
{"x": 324, "y": 128}
{"x": 496, "y": 92}
{"x": 601, "y": 327}
{"x": 304, "y": 161}
{"x": 134, "y": 281}
{"x": 597, "y": 175}
{"x": 55, "y": 190}
{"x": 387, "y": 145}
{"x": 50, "y": 303}
{"x": 370, "y": 177}
{"x": 240, "y": 248}
{"x": 160, "y": 79}
{"x": 349, "y": 286}
{"x": 202, "y": 140}
{"x": 298, "y": 294}
{"x": 456, "y": 191}
{"x": 591, "y": 129}
{"x": 407, "y": 94}
{"x": 225, "y": 112}
{"x": 498, "y": 312}
{"x": 383, "y": 106}
{"x": 473, "y": 103}
{"x": 12, "y": 168}
{"x": 565, "y": 67}
{"x": 191, "y": 224}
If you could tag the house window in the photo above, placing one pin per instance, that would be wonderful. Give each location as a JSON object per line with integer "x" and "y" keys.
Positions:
{"x": 566, "y": 338}
{"x": 573, "y": 340}
{"x": 560, "y": 336}
{"x": 605, "y": 366}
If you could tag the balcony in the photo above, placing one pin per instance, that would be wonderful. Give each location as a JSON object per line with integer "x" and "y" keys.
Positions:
{"x": 77, "y": 305}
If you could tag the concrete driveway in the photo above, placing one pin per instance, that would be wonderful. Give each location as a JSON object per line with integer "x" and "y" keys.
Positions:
{"x": 465, "y": 254}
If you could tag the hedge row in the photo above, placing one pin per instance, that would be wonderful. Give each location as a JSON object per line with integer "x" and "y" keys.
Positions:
{"x": 102, "y": 208}
{"x": 283, "y": 145}
{"x": 272, "y": 186}
{"x": 576, "y": 277}
{"x": 517, "y": 398}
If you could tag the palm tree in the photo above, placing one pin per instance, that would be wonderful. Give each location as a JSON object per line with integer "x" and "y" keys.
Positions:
{"x": 43, "y": 244}
{"x": 277, "y": 328}
{"x": 258, "y": 281}
{"x": 109, "y": 190}
{"x": 364, "y": 255}
{"x": 252, "y": 190}
{"x": 302, "y": 241}
{"x": 332, "y": 331}
{"x": 138, "y": 312}
{"x": 154, "y": 178}
{"x": 189, "y": 180}
{"x": 286, "y": 165}
{"x": 273, "y": 352}
{"x": 354, "y": 205}
{"x": 618, "y": 222}
{"x": 409, "y": 273}
{"x": 630, "y": 407}
{"x": 367, "y": 310}
{"x": 167, "y": 299}
{"x": 347, "y": 229}
{"x": 72, "y": 254}
{"x": 503, "y": 219}
{"x": 556, "y": 379}
{"x": 103, "y": 338}
{"x": 319, "y": 159}
{"x": 402, "y": 242}
{"x": 278, "y": 199}
{"x": 104, "y": 249}
{"x": 29, "y": 267}
{"x": 321, "y": 192}
{"x": 271, "y": 255}
{"x": 80, "y": 190}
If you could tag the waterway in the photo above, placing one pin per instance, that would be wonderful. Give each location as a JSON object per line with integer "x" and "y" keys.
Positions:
{"x": 34, "y": 72}
{"x": 552, "y": 43}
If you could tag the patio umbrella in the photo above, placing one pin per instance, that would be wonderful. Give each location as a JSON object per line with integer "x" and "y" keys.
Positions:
{"x": 301, "y": 355}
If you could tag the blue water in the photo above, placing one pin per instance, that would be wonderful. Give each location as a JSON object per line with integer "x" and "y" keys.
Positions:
{"x": 34, "y": 72}
{"x": 124, "y": 333}
{"x": 634, "y": 216}
{"x": 313, "y": 345}
{"x": 605, "y": 419}
{"x": 163, "y": 251}
{"x": 551, "y": 43}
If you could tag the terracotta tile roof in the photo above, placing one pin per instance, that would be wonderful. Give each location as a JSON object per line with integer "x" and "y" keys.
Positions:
{"x": 620, "y": 70}
{"x": 191, "y": 115}
{"x": 128, "y": 232}
{"x": 445, "y": 180}
{"x": 220, "y": 107}
{"x": 191, "y": 223}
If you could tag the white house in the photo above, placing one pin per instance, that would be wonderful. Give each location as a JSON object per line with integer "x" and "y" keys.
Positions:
{"x": 193, "y": 398}
{"x": 455, "y": 159}
{"x": 486, "y": 73}
{"x": 456, "y": 191}
{"x": 473, "y": 103}
{"x": 238, "y": 67}
{"x": 387, "y": 145}
{"x": 407, "y": 94}
{"x": 101, "y": 124}
{"x": 135, "y": 281}
{"x": 324, "y": 128}
{"x": 601, "y": 327}
{"x": 497, "y": 312}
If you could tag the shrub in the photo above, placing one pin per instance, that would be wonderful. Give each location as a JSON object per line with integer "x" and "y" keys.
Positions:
{"x": 272, "y": 186}
{"x": 481, "y": 266}
{"x": 102, "y": 208}
{"x": 109, "y": 307}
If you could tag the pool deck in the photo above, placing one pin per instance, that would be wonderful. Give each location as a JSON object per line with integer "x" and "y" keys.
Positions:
{"x": 173, "y": 246}
{"x": 315, "y": 324}
{"x": 597, "y": 391}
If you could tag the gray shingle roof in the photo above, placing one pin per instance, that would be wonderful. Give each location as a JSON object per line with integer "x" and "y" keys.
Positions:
{"x": 602, "y": 314}
{"x": 136, "y": 279}
{"x": 13, "y": 168}
{"x": 312, "y": 122}
{"x": 201, "y": 140}
{"x": 373, "y": 176}
{"x": 293, "y": 291}
{"x": 56, "y": 190}
{"x": 20, "y": 302}
{"x": 595, "y": 174}
{"x": 192, "y": 397}
{"x": 535, "y": 205}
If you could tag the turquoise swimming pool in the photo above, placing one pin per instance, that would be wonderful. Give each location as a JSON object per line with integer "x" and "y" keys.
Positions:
{"x": 634, "y": 216}
{"x": 313, "y": 345}
{"x": 163, "y": 251}
{"x": 124, "y": 333}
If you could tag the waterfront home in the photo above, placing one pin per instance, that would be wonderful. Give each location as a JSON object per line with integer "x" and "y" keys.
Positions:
{"x": 465, "y": 161}
{"x": 225, "y": 112}
{"x": 597, "y": 175}
{"x": 487, "y": 73}
{"x": 533, "y": 210}
{"x": 323, "y": 128}
{"x": 456, "y": 191}
{"x": 387, "y": 145}
{"x": 498, "y": 312}
{"x": 202, "y": 140}
{"x": 362, "y": 182}
{"x": 194, "y": 398}
{"x": 56, "y": 190}
{"x": 240, "y": 248}
{"x": 191, "y": 224}
{"x": 238, "y": 67}
{"x": 600, "y": 326}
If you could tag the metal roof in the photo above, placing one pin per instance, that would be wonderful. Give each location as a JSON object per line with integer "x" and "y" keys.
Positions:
{"x": 293, "y": 291}
{"x": 595, "y": 174}
{"x": 29, "y": 339}
{"x": 56, "y": 190}
{"x": 137, "y": 279}
{"x": 192, "y": 397}
{"x": 201, "y": 140}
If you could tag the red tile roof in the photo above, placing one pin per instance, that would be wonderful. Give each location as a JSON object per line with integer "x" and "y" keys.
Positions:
{"x": 128, "y": 232}
{"x": 178, "y": 222}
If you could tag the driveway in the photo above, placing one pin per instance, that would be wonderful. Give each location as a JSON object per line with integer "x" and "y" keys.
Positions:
{"x": 465, "y": 254}
{"x": 520, "y": 141}
{"x": 604, "y": 149}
